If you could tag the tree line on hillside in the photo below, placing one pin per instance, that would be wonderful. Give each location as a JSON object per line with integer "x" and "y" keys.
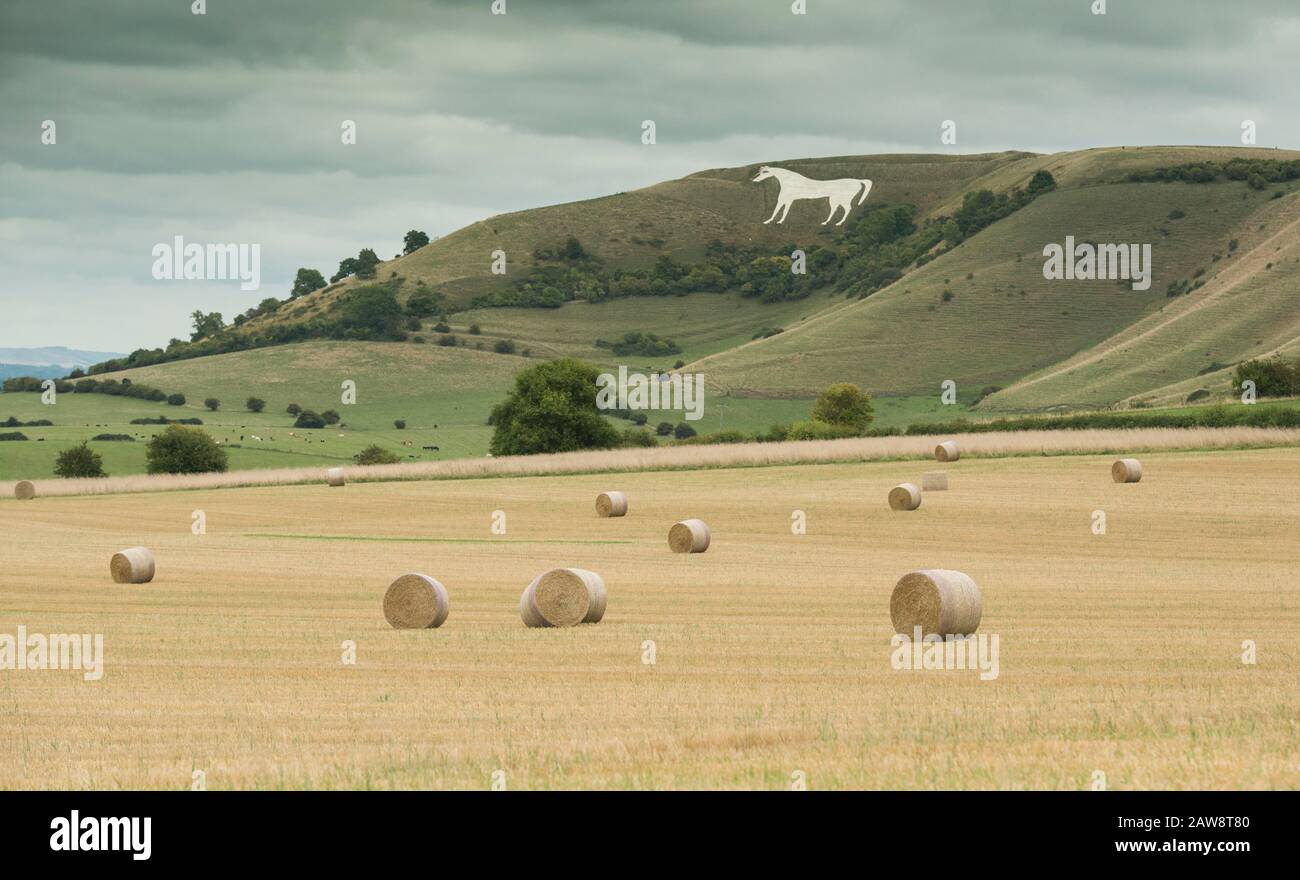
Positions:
{"x": 1257, "y": 173}
{"x": 878, "y": 246}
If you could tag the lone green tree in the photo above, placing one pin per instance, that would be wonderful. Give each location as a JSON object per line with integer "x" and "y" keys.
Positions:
{"x": 307, "y": 280}
{"x": 844, "y": 404}
{"x": 255, "y": 404}
{"x": 79, "y": 461}
{"x": 415, "y": 239}
{"x": 367, "y": 260}
{"x": 552, "y": 409}
{"x": 182, "y": 450}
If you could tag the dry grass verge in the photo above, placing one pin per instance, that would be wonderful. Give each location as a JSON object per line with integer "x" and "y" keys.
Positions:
{"x": 730, "y": 455}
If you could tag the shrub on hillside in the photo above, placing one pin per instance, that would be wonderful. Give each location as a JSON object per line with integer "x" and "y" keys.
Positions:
{"x": 374, "y": 454}
{"x": 308, "y": 419}
{"x": 399, "y": 424}
{"x": 1273, "y": 377}
{"x": 330, "y": 417}
{"x": 683, "y": 431}
{"x": 13, "y": 435}
{"x": 183, "y": 450}
{"x": 212, "y": 403}
{"x": 255, "y": 404}
{"x": 79, "y": 461}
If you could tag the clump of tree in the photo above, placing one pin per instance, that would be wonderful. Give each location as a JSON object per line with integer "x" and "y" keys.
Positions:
{"x": 175, "y": 399}
{"x": 212, "y": 404}
{"x": 375, "y": 454}
{"x": 551, "y": 409}
{"x": 305, "y": 282}
{"x": 308, "y": 419}
{"x": 367, "y": 263}
{"x": 1273, "y": 377}
{"x": 370, "y": 312}
{"x": 1256, "y": 173}
{"x": 415, "y": 239}
{"x": 639, "y": 343}
{"x": 255, "y": 404}
{"x": 424, "y": 303}
{"x": 206, "y": 325}
{"x": 844, "y": 405}
{"x": 79, "y": 461}
{"x": 183, "y": 450}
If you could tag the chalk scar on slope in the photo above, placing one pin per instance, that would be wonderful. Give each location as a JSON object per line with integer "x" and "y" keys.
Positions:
{"x": 1227, "y": 282}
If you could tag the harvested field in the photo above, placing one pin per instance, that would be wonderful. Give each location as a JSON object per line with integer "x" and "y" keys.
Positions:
{"x": 1120, "y": 652}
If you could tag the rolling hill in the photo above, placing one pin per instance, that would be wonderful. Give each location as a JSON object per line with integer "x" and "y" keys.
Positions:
{"x": 981, "y": 314}
{"x": 976, "y": 309}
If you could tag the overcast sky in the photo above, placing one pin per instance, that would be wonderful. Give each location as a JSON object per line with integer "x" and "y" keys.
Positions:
{"x": 225, "y": 127}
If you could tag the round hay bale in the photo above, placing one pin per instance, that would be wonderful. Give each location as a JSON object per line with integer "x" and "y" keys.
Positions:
{"x": 904, "y": 496}
{"x": 947, "y": 451}
{"x": 596, "y": 593}
{"x": 563, "y": 597}
{"x": 24, "y": 490}
{"x": 939, "y": 601}
{"x": 689, "y": 536}
{"x": 416, "y": 601}
{"x": 334, "y": 476}
{"x": 611, "y": 504}
{"x": 1126, "y": 470}
{"x": 934, "y": 481}
{"x": 133, "y": 566}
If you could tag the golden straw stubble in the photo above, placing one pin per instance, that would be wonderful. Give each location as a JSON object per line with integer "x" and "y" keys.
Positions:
{"x": 132, "y": 566}
{"x": 689, "y": 536}
{"x": 416, "y": 601}
{"x": 611, "y": 504}
{"x": 905, "y": 496}
{"x": 934, "y": 481}
{"x": 1126, "y": 470}
{"x": 940, "y": 601}
{"x": 563, "y": 597}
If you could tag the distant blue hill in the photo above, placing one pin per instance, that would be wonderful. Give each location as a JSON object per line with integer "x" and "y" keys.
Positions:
{"x": 50, "y": 362}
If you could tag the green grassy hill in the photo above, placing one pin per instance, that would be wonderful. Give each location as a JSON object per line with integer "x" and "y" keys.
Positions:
{"x": 980, "y": 313}
{"x": 677, "y": 217}
{"x": 983, "y": 314}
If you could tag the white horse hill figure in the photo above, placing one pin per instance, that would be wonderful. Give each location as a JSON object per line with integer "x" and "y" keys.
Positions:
{"x": 795, "y": 186}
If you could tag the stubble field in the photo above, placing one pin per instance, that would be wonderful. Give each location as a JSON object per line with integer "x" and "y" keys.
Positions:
{"x": 1119, "y": 653}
